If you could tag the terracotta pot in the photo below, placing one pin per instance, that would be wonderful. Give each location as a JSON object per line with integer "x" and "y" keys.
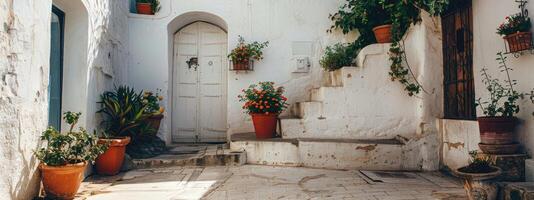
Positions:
{"x": 480, "y": 185}
{"x": 144, "y": 8}
{"x": 110, "y": 162}
{"x": 242, "y": 65}
{"x": 519, "y": 41}
{"x": 154, "y": 121}
{"x": 62, "y": 182}
{"x": 383, "y": 33}
{"x": 264, "y": 125}
{"x": 499, "y": 148}
{"x": 497, "y": 130}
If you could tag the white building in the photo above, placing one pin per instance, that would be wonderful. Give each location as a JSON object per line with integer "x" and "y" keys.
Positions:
{"x": 105, "y": 44}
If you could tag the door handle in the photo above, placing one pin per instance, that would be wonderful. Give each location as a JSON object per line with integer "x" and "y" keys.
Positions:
{"x": 192, "y": 63}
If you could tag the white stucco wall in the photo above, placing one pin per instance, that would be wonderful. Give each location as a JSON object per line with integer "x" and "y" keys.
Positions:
{"x": 24, "y": 67}
{"x": 487, "y": 16}
{"x": 280, "y": 22}
{"x": 24, "y": 63}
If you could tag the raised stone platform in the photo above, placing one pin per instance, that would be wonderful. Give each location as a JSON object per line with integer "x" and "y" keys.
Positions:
{"x": 193, "y": 155}
{"x": 381, "y": 154}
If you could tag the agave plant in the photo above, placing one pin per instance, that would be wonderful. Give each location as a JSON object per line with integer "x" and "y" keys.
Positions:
{"x": 123, "y": 112}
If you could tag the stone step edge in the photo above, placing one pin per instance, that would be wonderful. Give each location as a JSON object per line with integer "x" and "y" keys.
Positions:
{"x": 230, "y": 157}
{"x": 249, "y": 137}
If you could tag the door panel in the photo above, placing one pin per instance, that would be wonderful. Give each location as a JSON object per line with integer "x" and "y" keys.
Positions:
{"x": 199, "y": 102}
{"x": 56, "y": 68}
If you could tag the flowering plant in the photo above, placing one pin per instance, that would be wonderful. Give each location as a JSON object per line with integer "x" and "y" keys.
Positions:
{"x": 151, "y": 103}
{"x": 244, "y": 52}
{"x": 513, "y": 24}
{"x": 263, "y": 98}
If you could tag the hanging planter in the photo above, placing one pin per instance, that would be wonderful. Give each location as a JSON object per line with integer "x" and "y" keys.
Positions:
{"x": 243, "y": 55}
{"x": 383, "y": 33}
{"x": 516, "y": 32}
{"x": 264, "y": 103}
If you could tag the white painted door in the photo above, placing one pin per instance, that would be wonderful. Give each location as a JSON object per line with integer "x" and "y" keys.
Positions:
{"x": 199, "y": 91}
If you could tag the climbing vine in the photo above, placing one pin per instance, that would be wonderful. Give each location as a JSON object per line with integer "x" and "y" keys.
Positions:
{"x": 364, "y": 15}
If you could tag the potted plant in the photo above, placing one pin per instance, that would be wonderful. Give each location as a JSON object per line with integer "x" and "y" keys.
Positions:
{"x": 478, "y": 177}
{"x": 516, "y": 31}
{"x": 147, "y": 7}
{"x": 337, "y": 56}
{"x": 153, "y": 109}
{"x": 123, "y": 113}
{"x": 63, "y": 160}
{"x": 244, "y": 53}
{"x": 264, "y": 103}
{"x": 498, "y": 125}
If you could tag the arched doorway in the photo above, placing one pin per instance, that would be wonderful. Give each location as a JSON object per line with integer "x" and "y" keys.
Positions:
{"x": 199, "y": 83}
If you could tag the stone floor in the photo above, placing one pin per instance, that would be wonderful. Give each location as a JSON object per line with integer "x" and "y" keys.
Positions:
{"x": 266, "y": 182}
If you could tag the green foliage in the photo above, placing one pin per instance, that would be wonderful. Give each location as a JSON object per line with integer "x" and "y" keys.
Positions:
{"x": 513, "y": 24}
{"x": 124, "y": 112}
{"x": 151, "y": 101}
{"x": 337, "y": 56}
{"x": 263, "y": 98}
{"x": 478, "y": 164}
{"x": 243, "y": 52}
{"x": 70, "y": 147}
{"x": 498, "y": 90}
{"x": 363, "y": 16}
{"x": 154, "y": 4}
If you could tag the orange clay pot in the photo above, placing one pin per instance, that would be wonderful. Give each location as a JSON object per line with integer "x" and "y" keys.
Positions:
{"x": 110, "y": 162}
{"x": 62, "y": 182}
{"x": 144, "y": 8}
{"x": 383, "y": 33}
{"x": 264, "y": 125}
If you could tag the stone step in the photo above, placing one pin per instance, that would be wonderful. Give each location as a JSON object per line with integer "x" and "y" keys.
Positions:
{"x": 382, "y": 154}
{"x": 309, "y": 109}
{"x": 187, "y": 155}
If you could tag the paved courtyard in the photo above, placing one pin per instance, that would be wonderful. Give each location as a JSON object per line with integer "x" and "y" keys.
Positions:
{"x": 267, "y": 182}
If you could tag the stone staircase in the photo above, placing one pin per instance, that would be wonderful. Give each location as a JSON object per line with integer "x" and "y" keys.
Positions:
{"x": 353, "y": 121}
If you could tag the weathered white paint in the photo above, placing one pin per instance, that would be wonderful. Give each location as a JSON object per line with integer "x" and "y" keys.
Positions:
{"x": 199, "y": 90}
{"x": 283, "y": 23}
{"x": 457, "y": 137}
{"x": 96, "y": 46}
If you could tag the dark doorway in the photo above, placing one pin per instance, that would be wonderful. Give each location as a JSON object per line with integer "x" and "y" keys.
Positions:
{"x": 459, "y": 90}
{"x": 57, "y": 27}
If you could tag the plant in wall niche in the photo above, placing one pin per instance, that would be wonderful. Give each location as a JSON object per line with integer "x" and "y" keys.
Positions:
{"x": 243, "y": 53}
{"x": 498, "y": 125}
{"x": 478, "y": 177}
{"x": 516, "y": 31}
{"x": 337, "y": 56}
{"x": 65, "y": 157}
{"x": 147, "y": 7}
{"x": 364, "y": 16}
{"x": 264, "y": 102}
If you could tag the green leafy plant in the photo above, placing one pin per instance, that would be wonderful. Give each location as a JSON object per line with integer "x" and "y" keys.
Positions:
{"x": 124, "y": 112}
{"x": 337, "y": 56}
{"x": 513, "y": 24}
{"x": 155, "y": 5}
{"x": 363, "y": 16}
{"x": 70, "y": 147}
{"x": 503, "y": 98}
{"x": 478, "y": 164}
{"x": 263, "y": 98}
{"x": 151, "y": 102}
{"x": 243, "y": 52}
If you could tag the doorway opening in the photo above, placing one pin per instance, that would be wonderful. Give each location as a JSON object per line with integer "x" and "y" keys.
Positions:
{"x": 55, "y": 80}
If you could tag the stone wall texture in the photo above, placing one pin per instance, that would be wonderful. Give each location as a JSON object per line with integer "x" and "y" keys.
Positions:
{"x": 24, "y": 68}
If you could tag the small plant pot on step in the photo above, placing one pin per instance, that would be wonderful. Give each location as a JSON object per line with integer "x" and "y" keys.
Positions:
{"x": 154, "y": 121}
{"x": 110, "y": 162}
{"x": 383, "y": 33}
{"x": 519, "y": 41}
{"x": 480, "y": 185}
{"x": 497, "y": 130}
{"x": 144, "y": 8}
{"x": 62, "y": 182}
{"x": 264, "y": 125}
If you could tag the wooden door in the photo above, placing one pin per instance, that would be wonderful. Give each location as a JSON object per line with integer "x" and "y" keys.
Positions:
{"x": 459, "y": 91}
{"x": 199, "y": 84}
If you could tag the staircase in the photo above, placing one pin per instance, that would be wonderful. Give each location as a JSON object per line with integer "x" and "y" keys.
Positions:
{"x": 357, "y": 119}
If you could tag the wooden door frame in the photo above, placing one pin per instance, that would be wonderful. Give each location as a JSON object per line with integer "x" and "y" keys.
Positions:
{"x": 172, "y": 77}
